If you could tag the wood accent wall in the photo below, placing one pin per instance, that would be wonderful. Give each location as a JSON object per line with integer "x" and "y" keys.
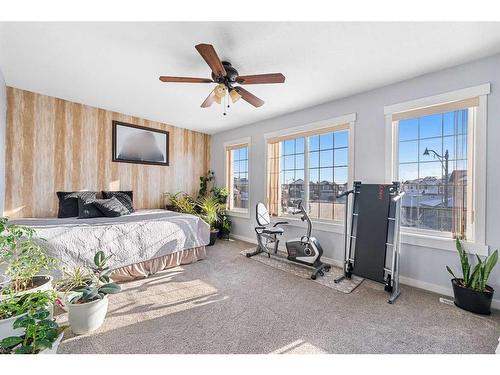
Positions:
{"x": 56, "y": 145}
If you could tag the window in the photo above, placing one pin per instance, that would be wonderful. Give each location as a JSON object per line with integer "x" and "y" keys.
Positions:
{"x": 437, "y": 154}
{"x": 311, "y": 165}
{"x": 237, "y": 176}
{"x": 434, "y": 170}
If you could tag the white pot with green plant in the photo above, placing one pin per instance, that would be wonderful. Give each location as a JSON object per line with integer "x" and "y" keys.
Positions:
{"x": 210, "y": 209}
{"x": 87, "y": 309}
{"x": 38, "y": 334}
{"x": 19, "y": 305}
{"x": 73, "y": 279}
{"x": 23, "y": 258}
{"x": 471, "y": 291}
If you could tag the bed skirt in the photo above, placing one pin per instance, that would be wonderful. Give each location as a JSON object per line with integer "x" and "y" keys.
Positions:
{"x": 144, "y": 269}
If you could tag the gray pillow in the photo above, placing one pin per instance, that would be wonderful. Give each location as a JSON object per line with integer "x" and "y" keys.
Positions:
{"x": 111, "y": 207}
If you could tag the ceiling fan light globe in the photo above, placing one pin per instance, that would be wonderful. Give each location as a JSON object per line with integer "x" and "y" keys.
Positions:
{"x": 234, "y": 96}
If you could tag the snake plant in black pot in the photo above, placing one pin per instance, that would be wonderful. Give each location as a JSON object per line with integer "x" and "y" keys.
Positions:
{"x": 471, "y": 291}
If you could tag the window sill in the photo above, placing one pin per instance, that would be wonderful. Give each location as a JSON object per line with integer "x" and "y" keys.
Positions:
{"x": 234, "y": 213}
{"x": 441, "y": 243}
{"x": 321, "y": 226}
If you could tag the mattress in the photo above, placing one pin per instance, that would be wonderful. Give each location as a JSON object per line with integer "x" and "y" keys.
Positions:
{"x": 134, "y": 238}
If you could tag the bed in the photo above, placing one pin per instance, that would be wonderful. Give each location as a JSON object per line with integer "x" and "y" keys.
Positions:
{"x": 142, "y": 243}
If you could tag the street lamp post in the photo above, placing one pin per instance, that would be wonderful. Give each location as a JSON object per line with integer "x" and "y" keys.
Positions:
{"x": 445, "y": 167}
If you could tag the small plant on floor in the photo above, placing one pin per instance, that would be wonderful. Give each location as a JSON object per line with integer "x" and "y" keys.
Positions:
{"x": 477, "y": 277}
{"x": 471, "y": 290}
{"x": 101, "y": 284}
{"x": 22, "y": 256}
{"x": 40, "y": 333}
{"x": 224, "y": 226}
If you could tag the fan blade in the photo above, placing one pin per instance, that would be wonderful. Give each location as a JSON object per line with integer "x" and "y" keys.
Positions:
{"x": 209, "y": 100}
{"x": 249, "y": 97}
{"x": 185, "y": 79}
{"x": 208, "y": 53}
{"x": 261, "y": 78}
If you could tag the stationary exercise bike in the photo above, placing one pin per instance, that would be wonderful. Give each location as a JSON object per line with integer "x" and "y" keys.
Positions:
{"x": 305, "y": 250}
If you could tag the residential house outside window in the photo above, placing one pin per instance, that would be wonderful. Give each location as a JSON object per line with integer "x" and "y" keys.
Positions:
{"x": 313, "y": 167}
{"x": 237, "y": 180}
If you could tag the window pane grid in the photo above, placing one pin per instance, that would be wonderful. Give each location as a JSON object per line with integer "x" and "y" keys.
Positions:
{"x": 239, "y": 191}
{"x": 433, "y": 171}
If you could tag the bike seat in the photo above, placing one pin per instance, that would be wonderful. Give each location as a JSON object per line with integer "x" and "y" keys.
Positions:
{"x": 274, "y": 230}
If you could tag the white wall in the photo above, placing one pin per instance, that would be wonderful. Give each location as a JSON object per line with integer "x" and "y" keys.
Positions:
{"x": 425, "y": 266}
{"x": 3, "y": 114}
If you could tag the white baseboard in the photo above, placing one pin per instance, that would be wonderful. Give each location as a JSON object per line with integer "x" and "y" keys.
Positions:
{"x": 439, "y": 289}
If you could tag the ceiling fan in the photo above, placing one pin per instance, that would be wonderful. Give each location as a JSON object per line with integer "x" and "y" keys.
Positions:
{"x": 226, "y": 76}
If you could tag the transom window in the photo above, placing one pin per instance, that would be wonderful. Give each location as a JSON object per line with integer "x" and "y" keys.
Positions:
{"x": 312, "y": 168}
{"x": 237, "y": 177}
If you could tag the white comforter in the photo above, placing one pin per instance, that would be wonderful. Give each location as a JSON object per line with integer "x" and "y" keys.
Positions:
{"x": 134, "y": 238}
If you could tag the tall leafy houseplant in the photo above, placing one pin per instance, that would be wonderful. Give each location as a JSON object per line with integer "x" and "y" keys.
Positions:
{"x": 471, "y": 290}
{"x": 210, "y": 210}
{"x": 23, "y": 257}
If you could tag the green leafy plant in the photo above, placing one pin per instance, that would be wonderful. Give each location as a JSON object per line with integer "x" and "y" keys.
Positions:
{"x": 182, "y": 202}
{"x": 210, "y": 210}
{"x": 40, "y": 333}
{"x": 27, "y": 303}
{"x": 224, "y": 226}
{"x": 205, "y": 182}
{"x": 74, "y": 278}
{"x": 23, "y": 256}
{"x": 100, "y": 284}
{"x": 221, "y": 194}
{"x": 477, "y": 277}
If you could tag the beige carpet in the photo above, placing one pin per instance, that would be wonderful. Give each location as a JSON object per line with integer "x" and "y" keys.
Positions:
{"x": 279, "y": 262}
{"x": 228, "y": 304}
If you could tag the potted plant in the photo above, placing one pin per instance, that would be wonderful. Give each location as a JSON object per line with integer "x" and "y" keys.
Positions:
{"x": 40, "y": 335}
{"x": 24, "y": 258}
{"x": 72, "y": 280}
{"x": 471, "y": 291}
{"x": 88, "y": 308}
{"x": 224, "y": 227}
{"x": 210, "y": 209}
{"x": 18, "y": 305}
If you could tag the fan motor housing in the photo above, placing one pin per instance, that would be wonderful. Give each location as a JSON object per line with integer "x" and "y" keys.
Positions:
{"x": 231, "y": 74}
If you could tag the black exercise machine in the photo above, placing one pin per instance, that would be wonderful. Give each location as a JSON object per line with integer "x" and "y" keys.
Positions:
{"x": 373, "y": 233}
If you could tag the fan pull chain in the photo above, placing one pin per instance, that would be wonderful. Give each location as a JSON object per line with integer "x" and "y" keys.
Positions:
{"x": 224, "y": 102}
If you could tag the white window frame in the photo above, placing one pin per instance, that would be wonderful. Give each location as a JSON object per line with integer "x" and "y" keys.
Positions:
{"x": 243, "y": 142}
{"x": 340, "y": 121}
{"x": 434, "y": 239}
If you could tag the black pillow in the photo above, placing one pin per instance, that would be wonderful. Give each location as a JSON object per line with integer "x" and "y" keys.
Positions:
{"x": 111, "y": 207}
{"x": 87, "y": 209}
{"x": 68, "y": 202}
{"x": 125, "y": 197}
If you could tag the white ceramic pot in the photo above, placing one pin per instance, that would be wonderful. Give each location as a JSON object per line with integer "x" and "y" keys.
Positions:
{"x": 6, "y": 327}
{"x": 87, "y": 317}
{"x": 47, "y": 285}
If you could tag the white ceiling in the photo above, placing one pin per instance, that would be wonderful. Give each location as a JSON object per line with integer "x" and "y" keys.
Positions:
{"x": 116, "y": 65}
